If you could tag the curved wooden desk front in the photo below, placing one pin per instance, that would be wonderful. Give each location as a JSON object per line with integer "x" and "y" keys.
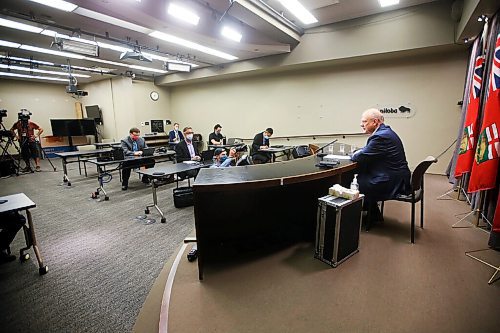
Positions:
{"x": 259, "y": 202}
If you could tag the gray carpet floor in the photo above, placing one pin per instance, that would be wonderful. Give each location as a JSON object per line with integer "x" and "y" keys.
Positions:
{"x": 102, "y": 260}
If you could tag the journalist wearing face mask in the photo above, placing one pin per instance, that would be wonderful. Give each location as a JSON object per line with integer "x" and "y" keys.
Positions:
{"x": 186, "y": 150}
{"x": 261, "y": 142}
{"x": 133, "y": 146}
{"x": 175, "y": 135}
{"x": 221, "y": 160}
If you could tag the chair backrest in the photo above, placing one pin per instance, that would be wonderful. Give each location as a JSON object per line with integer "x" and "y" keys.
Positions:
{"x": 301, "y": 151}
{"x": 418, "y": 173}
{"x": 85, "y": 147}
{"x": 108, "y": 140}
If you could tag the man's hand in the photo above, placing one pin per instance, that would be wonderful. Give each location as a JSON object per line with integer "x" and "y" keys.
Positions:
{"x": 196, "y": 158}
{"x": 264, "y": 147}
{"x": 138, "y": 153}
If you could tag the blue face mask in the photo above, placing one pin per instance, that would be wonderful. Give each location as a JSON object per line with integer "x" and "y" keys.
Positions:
{"x": 266, "y": 137}
{"x": 223, "y": 158}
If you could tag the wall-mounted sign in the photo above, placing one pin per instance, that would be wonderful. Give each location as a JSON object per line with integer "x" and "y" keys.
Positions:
{"x": 405, "y": 110}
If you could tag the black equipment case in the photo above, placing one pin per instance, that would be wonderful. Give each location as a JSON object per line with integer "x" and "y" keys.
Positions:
{"x": 337, "y": 229}
{"x": 183, "y": 197}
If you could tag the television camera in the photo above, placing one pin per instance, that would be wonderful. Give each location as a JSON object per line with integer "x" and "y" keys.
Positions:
{"x": 240, "y": 148}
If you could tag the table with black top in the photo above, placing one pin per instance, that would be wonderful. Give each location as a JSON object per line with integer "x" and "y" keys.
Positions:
{"x": 79, "y": 154}
{"x": 18, "y": 202}
{"x": 102, "y": 172}
{"x": 265, "y": 202}
{"x": 159, "y": 176}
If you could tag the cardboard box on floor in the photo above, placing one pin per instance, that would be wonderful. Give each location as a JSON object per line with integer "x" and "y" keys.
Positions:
{"x": 61, "y": 141}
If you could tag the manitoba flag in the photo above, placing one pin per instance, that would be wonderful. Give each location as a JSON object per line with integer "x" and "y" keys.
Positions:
{"x": 485, "y": 166}
{"x": 467, "y": 144}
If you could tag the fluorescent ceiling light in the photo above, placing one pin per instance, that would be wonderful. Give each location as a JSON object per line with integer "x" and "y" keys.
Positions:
{"x": 114, "y": 47}
{"x": 96, "y": 70}
{"x": 183, "y": 14}
{"x": 59, "y": 4}
{"x": 165, "y": 59}
{"x": 172, "y": 66}
{"x": 111, "y": 20}
{"x": 9, "y": 44}
{"x": 48, "y": 51}
{"x": 28, "y": 60}
{"x": 179, "y": 41}
{"x": 19, "y": 26}
{"x": 386, "y": 3}
{"x": 147, "y": 69}
{"x": 33, "y": 77}
{"x": 299, "y": 11}
{"x": 36, "y": 70}
{"x": 231, "y": 34}
{"x": 106, "y": 61}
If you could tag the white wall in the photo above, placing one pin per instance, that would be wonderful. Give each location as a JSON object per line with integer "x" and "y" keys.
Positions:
{"x": 125, "y": 103}
{"x": 330, "y": 100}
{"x": 44, "y": 100}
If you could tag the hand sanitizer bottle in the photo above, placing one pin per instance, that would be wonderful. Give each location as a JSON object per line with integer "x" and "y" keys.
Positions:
{"x": 354, "y": 184}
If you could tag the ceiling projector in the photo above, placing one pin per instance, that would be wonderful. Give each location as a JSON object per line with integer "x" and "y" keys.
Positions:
{"x": 135, "y": 56}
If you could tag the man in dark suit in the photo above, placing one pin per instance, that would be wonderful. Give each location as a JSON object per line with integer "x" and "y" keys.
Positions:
{"x": 261, "y": 142}
{"x": 382, "y": 166}
{"x": 175, "y": 135}
{"x": 133, "y": 145}
{"x": 187, "y": 151}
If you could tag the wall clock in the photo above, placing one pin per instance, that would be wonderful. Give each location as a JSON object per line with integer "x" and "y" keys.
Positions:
{"x": 154, "y": 95}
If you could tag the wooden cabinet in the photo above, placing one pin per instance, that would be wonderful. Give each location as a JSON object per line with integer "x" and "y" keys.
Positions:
{"x": 157, "y": 140}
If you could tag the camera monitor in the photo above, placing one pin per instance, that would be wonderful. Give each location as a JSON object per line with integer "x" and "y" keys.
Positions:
{"x": 93, "y": 112}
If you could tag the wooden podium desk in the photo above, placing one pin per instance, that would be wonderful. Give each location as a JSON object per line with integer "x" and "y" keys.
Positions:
{"x": 266, "y": 201}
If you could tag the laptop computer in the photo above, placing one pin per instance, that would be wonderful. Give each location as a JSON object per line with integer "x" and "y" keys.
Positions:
{"x": 232, "y": 141}
{"x": 148, "y": 151}
{"x": 207, "y": 155}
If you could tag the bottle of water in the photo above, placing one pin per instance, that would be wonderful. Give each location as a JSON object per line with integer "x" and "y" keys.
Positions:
{"x": 354, "y": 184}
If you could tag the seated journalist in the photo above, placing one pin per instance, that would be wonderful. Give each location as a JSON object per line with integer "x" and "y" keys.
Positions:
{"x": 222, "y": 160}
{"x": 216, "y": 138}
{"x": 133, "y": 145}
{"x": 382, "y": 167}
{"x": 10, "y": 224}
{"x": 261, "y": 142}
{"x": 175, "y": 135}
{"x": 187, "y": 151}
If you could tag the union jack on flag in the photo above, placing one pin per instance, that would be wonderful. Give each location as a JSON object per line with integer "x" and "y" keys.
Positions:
{"x": 495, "y": 70}
{"x": 478, "y": 76}
{"x": 489, "y": 145}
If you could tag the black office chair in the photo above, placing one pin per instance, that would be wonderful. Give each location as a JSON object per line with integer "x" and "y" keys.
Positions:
{"x": 417, "y": 193}
{"x": 301, "y": 151}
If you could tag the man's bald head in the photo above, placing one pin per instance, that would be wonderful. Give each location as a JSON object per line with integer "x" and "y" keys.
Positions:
{"x": 371, "y": 120}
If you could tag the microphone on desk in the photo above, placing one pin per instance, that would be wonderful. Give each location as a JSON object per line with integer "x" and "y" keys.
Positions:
{"x": 321, "y": 149}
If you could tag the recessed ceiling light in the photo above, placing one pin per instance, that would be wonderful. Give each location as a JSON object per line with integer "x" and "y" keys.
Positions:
{"x": 231, "y": 34}
{"x": 183, "y": 42}
{"x": 19, "y": 26}
{"x": 59, "y": 4}
{"x": 9, "y": 44}
{"x": 26, "y": 76}
{"x": 48, "y": 51}
{"x": 386, "y": 3}
{"x": 299, "y": 11}
{"x": 36, "y": 70}
{"x": 147, "y": 69}
{"x": 183, "y": 14}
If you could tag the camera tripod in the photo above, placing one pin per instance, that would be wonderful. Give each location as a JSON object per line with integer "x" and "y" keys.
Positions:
{"x": 6, "y": 143}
